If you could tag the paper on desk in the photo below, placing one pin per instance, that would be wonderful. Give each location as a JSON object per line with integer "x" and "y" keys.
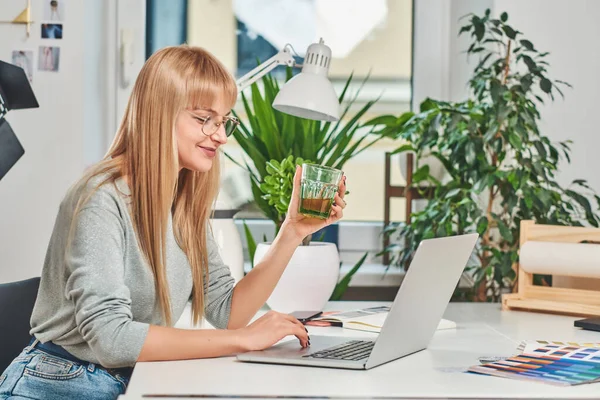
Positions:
{"x": 368, "y": 319}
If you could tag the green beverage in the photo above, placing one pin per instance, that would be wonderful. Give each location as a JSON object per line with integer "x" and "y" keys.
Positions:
{"x": 317, "y": 190}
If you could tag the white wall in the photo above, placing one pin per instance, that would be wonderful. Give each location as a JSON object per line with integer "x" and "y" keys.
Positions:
{"x": 51, "y": 135}
{"x": 440, "y": 70}
{"x": 569, "y": 30}
{"x": 80, "y": 106}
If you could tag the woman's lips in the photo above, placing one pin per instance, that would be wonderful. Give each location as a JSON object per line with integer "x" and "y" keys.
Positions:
{"x": 209, "y": 151}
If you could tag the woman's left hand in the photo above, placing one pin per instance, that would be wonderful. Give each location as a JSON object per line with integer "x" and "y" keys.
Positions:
{"x": 303, "y": 226}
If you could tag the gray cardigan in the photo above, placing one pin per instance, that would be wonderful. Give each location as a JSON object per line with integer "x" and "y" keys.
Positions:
{"x": 100, "y": 302}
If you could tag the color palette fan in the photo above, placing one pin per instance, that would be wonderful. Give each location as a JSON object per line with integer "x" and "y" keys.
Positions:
{"x": 556, "y": 364}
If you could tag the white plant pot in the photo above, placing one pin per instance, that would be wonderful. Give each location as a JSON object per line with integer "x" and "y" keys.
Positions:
{"x": 228, "y": 239}
{"x": 309, "y": 279}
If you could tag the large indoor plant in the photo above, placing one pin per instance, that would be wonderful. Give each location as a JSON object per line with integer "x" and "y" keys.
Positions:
{"x": 266, "y": 134}
{"x": 502, "y": 168}
{"x": 274, "y": 143}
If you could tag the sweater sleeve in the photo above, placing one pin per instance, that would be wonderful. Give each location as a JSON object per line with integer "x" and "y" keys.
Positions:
{"x": 219, "y": 289}
{"x": 96, "y": 286}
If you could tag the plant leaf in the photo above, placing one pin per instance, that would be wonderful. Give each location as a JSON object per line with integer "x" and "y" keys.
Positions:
{"x": 546, "y": 85}
{"x": 251, "y": 243}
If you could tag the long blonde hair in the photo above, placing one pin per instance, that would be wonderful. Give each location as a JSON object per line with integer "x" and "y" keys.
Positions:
{"x": 145, "y": 151}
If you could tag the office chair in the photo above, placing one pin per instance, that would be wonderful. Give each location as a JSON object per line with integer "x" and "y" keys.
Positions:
{"x": 16, "y": 304}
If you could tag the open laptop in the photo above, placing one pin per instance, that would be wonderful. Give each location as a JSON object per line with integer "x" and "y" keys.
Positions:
{"x": 413, "y": 318}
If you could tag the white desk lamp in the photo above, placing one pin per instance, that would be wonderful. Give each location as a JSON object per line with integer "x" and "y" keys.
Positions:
{"x": 307, "y": 95}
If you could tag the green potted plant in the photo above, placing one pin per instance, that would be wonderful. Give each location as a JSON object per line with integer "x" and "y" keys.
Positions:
{"x": 274, "y": 144}
{"x": 502, "y": 169}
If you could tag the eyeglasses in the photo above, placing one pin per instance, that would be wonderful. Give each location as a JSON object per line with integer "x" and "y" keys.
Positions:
{"x": 210, "y": 125}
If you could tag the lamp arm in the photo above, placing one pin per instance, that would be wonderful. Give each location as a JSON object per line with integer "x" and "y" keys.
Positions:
{"x": 284, "y": 57}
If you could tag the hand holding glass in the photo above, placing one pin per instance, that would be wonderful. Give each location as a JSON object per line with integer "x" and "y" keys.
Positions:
{"x": 317, "y": 190}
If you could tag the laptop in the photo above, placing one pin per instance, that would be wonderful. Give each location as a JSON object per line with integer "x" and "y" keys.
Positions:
{"x": 412, "y": 320}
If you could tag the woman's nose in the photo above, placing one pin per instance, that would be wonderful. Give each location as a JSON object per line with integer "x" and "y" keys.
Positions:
{"x": 220, "y": 136}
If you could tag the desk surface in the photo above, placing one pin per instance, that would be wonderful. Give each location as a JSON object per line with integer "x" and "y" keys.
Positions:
{"x": 482, "y": 330}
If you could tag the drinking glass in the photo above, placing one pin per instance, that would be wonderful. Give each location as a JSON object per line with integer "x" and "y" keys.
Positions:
{"x": 317, "y": 190}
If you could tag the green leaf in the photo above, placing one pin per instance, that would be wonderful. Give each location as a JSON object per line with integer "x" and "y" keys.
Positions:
{"x": 531, "y": 65}
{"x": 564, "y": 83}
{"x": 504, "y": 17}
{"x": 497, "y": 31}
{"x": 342, "y": 285}
{"x": 510, "y": 32}
{"x": 583, "y": 202}
{"x": 452, "y": 193}
{"x": 482, "y": 225}
{"x": 421, "y": 174}
{"x": 251, "y": 243}
{"x": 465, "y": 28}
{"x": 546, "y": 85}
{"x": 527, "y": 44}
{"x": 504, "y": 231}
{"x": 515, "y": 140}
{"x": 403, "y": 148}
{"x": 479, "y": 30}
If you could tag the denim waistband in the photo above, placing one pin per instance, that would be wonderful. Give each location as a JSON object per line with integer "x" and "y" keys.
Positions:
{"x": 59, "y": 351}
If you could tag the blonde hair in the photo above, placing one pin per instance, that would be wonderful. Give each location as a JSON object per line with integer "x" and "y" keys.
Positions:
{"x": 145, "y": 151}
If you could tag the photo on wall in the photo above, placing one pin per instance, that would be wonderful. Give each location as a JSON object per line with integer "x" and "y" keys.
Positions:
{"x": 52, "y": 31}
{"x": 48, "y": 58}
{"x": 24, "y": 59}
{"x": 54, "y": 10}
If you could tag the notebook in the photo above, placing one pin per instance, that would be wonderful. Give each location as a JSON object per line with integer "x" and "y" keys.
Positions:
{"x": 366, "y": 319}
{"x": 556, "y": 363}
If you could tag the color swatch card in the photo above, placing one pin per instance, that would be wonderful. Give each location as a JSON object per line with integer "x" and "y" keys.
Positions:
{"x": 528, "y": 346}
{"x": 556, "y": 364}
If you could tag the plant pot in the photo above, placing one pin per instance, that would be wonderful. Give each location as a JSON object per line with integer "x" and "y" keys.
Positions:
{"x": 228, "y": 239}
{"x": 308, "y": 280}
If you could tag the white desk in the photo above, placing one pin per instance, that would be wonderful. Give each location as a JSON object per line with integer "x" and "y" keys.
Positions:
{"x": 483, "y": 330}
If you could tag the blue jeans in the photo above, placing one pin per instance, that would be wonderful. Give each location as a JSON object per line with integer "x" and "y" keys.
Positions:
{"x": 38, "y": 374}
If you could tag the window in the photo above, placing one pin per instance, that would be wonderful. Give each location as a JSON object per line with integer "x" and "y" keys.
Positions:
{"x": 365, "y": 36}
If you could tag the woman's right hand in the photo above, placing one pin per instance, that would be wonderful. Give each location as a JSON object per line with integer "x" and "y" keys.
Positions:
{"x": 270, "y": 329}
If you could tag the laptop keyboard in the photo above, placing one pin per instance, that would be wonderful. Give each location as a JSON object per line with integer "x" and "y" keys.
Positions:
{"x": 353, "y": 350}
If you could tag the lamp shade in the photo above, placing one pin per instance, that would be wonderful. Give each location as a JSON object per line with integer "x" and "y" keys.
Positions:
{"x": 310, "y": 94}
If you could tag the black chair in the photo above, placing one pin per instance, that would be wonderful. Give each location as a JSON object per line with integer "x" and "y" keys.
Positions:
{"x": 16, "y": 304}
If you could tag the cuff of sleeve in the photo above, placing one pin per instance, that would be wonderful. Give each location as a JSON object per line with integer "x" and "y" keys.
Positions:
{"x": 133, "y": 347}
{"x": 219, "y": 317}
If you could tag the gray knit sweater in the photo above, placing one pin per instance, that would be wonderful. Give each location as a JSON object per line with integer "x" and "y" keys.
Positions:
{"x": 99, "y": 303}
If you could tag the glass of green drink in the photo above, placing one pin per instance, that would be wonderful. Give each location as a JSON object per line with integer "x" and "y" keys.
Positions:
{"x": 317, "y": 190}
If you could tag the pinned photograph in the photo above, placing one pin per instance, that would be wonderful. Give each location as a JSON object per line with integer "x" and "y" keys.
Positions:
{"x": 24, "y": 59}
{"x": 54, "y": 10}
{"x": 52, "y": 31}
{"x": 48, "y": 58}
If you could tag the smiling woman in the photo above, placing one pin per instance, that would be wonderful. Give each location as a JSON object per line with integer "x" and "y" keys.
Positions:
{"x": 131, "y": 246}
{"x": 201, "y": 129}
